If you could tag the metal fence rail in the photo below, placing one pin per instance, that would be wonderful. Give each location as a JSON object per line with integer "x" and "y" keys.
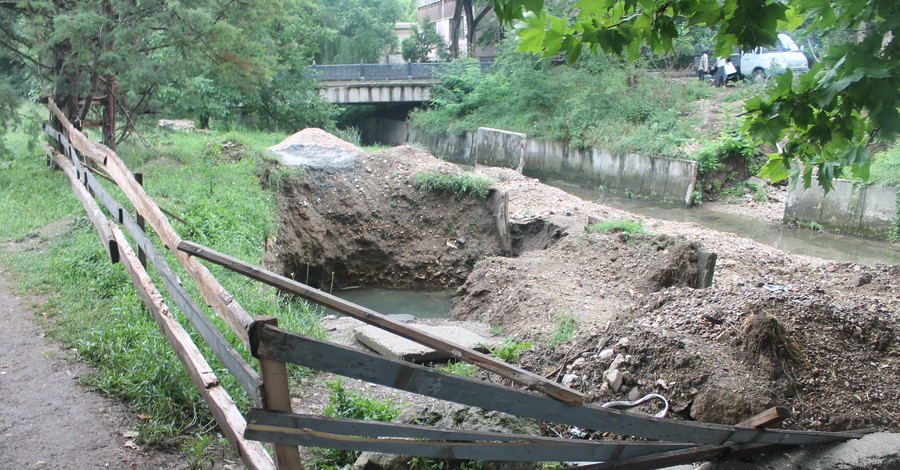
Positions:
{"x": 363, "y": 72}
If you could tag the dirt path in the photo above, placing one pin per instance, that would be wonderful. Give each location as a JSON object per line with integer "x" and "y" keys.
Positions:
{"x": 49, "y": 421}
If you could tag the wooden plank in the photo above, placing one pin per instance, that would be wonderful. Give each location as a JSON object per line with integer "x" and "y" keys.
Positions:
{"x": 94, "y": 214}
{"x": 210, "y": 289}
{"x": 277, "y": 393}
{"x": 423, "y": 441}
{"x": 222, "y": 348}
{"x": 486, "y": 362}
{"x": 769, "y": 418}
{"x": 220, "y": 404}
{"x": 286, "y": 346}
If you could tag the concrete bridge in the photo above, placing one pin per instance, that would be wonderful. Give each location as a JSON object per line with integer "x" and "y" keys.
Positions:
{"x": 378, "y": 83}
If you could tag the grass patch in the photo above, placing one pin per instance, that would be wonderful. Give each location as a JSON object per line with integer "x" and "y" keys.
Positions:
{"x": 627, "y": 226}
{"x": 566, "y": 326}
{"x": 460, "y": 368}
{"x": 210, "y": 181}
{"x": 509, "y": 349}
{"x": 462, "y": 185}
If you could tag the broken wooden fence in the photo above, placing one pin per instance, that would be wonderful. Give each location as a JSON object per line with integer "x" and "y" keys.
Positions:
{"x": 273, "y": 420}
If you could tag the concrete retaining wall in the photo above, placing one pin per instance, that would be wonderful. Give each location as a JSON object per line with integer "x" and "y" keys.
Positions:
{"x": 849, "y": 207}
{"x": 660, "y": 178}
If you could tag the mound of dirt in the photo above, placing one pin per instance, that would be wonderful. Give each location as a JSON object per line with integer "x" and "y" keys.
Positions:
{"x": 313, "y": 136}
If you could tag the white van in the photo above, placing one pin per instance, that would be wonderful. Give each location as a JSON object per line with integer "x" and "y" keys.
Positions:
{"x": 765, "y": 62}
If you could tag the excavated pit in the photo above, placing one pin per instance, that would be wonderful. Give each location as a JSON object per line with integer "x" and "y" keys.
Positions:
{"x": 632, "y": 295}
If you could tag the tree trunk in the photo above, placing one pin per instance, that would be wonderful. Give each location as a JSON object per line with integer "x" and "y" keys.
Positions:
{"x": 109, "y": 113}
{"x": 455, "y": 24}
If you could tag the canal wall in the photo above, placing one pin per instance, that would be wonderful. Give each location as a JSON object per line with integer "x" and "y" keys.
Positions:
{"x": 660, "y": 178}
{"x": 850, "y": 207}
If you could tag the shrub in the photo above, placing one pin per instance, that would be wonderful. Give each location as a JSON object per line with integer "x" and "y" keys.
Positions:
{"x": 462, "y": 185}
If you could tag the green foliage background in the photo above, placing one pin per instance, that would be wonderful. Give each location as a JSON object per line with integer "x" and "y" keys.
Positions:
{"x": 588, "y": 104}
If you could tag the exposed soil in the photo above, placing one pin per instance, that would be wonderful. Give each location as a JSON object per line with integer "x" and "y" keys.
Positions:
{"x": 774, "y": 329}
{"x": 367, "y": 223}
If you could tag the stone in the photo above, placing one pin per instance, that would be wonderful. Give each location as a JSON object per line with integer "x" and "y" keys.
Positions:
{"x": 568, "y": 379}
{"x": 619, "y": 360}
{"x": 614, "y": 379}
{"x": 181, "y": 125}
{"x": 718, "y": 405}
{"x": 395, "y": 347}
{"x": 605, "y": 354}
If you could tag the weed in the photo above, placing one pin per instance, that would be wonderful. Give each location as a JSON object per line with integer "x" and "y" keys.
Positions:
{"x": 393, "y": 204}
{"x": 343, "y": 403}
{"x": 462, "y": 185}
{"x": 811, "y": 225}
{"x": 460, "y": 368}
{"x": 566, "y": 326}
{"x": 696, "y": 198}
{"x": 628, "y": 226}
{"x": 630, "y": 195}
{"x": 509, "y": 349}
{"x": 760, "y": 194}
{"x": 496, "y": 329}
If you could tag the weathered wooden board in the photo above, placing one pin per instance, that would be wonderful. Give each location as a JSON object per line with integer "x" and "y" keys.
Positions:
{"x": 231, "y": 359}
{"x": 371, "y": 317}
{"x": 768, "y": 418}
{"x": 94, "y": 214}
{"x": 220, "y": 403}
{"x": 212, "y": 291}
{"x": 277, "y": 393}
{"x": 287, "y": 346}
{"x": 423, "y": 441}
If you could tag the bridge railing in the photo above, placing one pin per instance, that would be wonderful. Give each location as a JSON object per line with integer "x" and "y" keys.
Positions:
{"x": 363, "y": 72}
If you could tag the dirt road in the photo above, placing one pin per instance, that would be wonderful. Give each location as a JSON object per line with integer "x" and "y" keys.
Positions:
{"x": 48, "y": 420}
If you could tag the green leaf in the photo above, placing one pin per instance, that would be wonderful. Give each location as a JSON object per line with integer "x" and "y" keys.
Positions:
{"x": 775, "y": 169}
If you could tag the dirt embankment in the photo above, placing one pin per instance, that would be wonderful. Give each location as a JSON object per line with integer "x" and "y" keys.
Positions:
{"x": 367, "y": 224}
{"x": 774, "y": 329}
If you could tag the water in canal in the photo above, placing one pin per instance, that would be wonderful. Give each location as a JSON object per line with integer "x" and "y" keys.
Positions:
{"x": 825, "y": 245}
{"x": 421, "y": 303}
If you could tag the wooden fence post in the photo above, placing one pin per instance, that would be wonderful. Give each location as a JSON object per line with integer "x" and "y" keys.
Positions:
{"x": 142, "y": 256}
{"x": 276, "y": 392}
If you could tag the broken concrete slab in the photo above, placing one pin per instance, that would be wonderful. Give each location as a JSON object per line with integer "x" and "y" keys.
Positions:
{"x": 395, "y": 347}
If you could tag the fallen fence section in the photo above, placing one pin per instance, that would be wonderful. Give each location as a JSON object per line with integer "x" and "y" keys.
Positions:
{"x": 371, "y": 317}
{"x": 423, "y": 441}
{"x": 286, "y": 346}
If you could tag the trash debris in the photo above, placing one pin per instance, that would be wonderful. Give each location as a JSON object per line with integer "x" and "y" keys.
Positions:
{"x": 629, "y": 404}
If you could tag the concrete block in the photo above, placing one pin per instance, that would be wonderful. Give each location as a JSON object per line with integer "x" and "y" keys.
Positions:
{"x": 707, "y": 264}
{"x": 395, "y": 347}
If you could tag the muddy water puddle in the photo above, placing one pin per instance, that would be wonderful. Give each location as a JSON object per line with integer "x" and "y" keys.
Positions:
{"x": 829, "y": 246}
{"x": 421, "y": 303}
